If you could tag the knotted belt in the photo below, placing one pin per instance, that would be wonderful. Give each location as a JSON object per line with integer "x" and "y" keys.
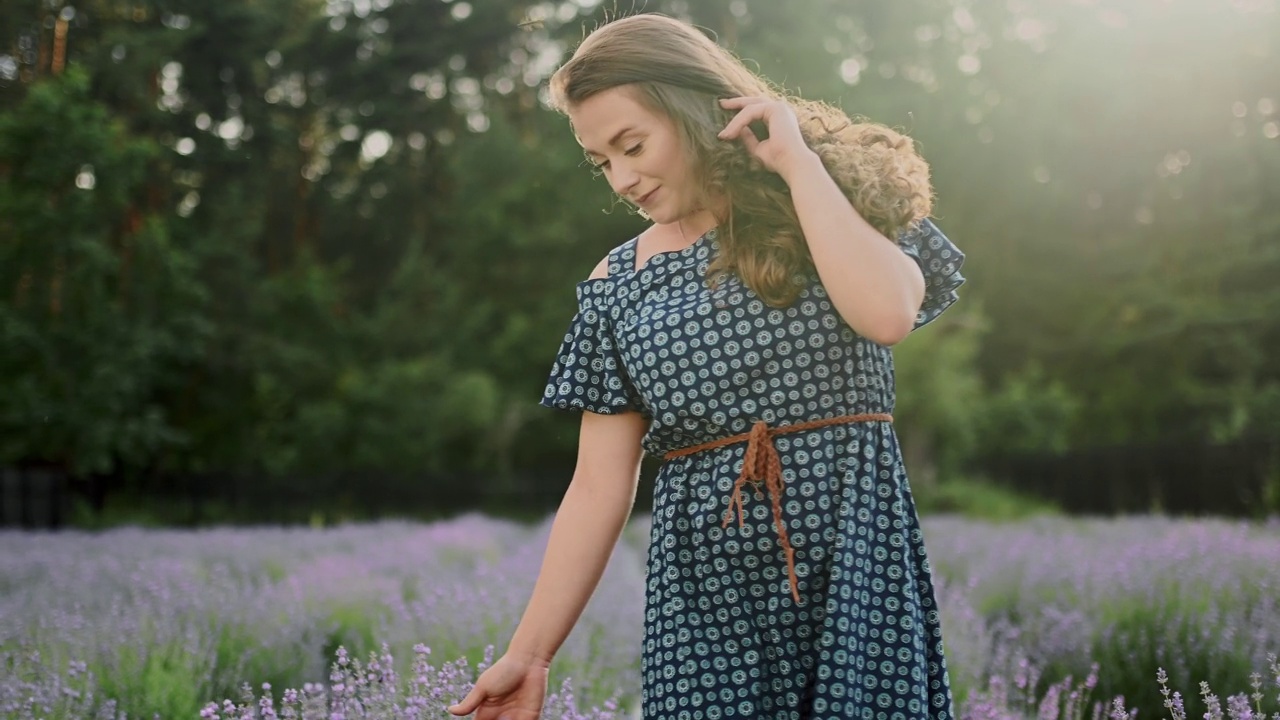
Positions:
{"x": 762, "y": 464}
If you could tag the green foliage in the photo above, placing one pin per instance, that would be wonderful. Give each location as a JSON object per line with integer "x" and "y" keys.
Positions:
{"x": 104, "y": 308}
{"x": 1141, "y": 639}
{"x": 946, "y": 407}
{"x": 1028, "y": 412}
{"x": 164, "y": 680}
{"x": 347, "y": 239}
{"x": 939, "y": 391}
{"x": 978, "y": 500}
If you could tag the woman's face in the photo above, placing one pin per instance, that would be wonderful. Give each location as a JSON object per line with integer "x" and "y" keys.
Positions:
{"x": 640, "y": 153}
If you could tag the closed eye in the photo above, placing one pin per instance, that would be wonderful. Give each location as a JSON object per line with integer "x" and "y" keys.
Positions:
{"x": 599, "y": 167}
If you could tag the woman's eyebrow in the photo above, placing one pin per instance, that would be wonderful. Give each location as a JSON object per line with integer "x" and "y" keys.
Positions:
{"x": 613, "y": 140}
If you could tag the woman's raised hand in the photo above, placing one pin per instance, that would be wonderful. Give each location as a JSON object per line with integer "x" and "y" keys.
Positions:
{"x": 784, "y": 145}
{"x": 512, "y": 689}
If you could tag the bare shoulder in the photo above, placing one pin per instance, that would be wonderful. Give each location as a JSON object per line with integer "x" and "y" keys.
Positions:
{"x": 601, "y": 270}
{"x": 652, "y": 240}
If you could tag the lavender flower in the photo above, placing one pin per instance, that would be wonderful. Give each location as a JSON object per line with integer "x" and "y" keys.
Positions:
{"x": 396, "y": 619}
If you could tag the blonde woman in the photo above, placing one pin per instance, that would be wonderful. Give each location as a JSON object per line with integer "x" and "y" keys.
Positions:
{"x": 744, "y": 338}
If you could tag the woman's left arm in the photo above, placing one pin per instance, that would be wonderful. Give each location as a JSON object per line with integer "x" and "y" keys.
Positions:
{"x": 876, "y": 288}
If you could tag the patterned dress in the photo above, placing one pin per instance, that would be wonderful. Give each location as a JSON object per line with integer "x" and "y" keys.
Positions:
{"x": 724, "y": 636}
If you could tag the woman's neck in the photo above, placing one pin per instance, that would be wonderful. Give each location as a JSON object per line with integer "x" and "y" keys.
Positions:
{"x": 696, "y": 225}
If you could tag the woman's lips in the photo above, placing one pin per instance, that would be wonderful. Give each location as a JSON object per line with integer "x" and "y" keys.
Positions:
{"x": 647, "y": 196}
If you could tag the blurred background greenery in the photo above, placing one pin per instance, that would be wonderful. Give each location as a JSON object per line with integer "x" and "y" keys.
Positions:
{"x": 311, "y": 259}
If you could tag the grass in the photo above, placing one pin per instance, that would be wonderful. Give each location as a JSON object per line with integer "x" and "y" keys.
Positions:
{"x": 979, "y": 500}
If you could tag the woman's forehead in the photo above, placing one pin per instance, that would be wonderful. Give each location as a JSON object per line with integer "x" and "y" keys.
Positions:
{"x": 607, "y": 117}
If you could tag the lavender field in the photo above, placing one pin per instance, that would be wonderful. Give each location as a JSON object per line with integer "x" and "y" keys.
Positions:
{"x": 1044, "y": 618}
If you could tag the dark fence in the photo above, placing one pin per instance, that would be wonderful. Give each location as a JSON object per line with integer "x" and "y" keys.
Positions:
{"x": 241, "y": 498}
{"x": 1236, "y": 479}
{"x": 34, "y": 498}
{"x": 44, "y": 497}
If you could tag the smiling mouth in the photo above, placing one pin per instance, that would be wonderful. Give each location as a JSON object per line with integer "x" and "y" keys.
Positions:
{"x": 645, "y": 198}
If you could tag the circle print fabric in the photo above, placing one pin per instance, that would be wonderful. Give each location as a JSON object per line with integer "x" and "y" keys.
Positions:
{"x": 724, "y": 637}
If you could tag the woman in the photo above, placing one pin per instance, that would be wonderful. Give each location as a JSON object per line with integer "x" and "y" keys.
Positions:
{"x": 744, "y": 337}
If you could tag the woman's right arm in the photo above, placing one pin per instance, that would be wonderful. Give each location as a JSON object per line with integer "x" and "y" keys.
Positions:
{"x": 586, "y": 528}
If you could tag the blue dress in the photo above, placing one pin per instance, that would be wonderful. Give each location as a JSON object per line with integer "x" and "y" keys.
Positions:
{"x": 724, "y": 636}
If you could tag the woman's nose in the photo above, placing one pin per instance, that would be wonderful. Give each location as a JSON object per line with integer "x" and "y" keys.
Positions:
{"x": 623, "y": 178}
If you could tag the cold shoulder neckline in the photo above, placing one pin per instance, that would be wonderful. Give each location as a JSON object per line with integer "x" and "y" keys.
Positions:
{"x": 691, "y": 248}
{"x": 625, "y": 254}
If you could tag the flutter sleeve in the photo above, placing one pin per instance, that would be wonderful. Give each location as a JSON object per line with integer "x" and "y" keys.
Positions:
{"x": 588, "y": 373}
{"x": 940, "y": 261}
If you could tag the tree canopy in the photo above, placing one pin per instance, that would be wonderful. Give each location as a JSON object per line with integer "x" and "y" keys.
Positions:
{"x": 300, "y": 236}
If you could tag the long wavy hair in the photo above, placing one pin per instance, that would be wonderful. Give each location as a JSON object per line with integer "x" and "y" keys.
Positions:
{"x": 682, "y": 74}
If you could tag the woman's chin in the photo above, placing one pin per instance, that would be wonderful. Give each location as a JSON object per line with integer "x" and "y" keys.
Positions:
{"x": 664, "y": 216}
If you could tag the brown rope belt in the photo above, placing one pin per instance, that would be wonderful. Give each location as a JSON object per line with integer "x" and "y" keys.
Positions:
{"x": 761, "y": 464}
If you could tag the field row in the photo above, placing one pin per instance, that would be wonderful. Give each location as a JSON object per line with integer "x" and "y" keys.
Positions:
{"x": 393, "y": 619}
